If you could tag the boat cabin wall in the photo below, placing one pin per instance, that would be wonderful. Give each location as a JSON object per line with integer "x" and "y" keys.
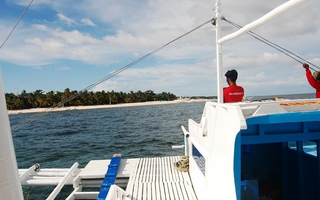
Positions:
{"x": 281, "y": 153}
{"x": 211, "y": 149}
{"x": 228, "y": 151}
{"x": 281, "y": 172}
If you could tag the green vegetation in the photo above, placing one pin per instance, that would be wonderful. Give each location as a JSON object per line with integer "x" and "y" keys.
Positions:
{"x": 40, "y": 99}
{"x": 203, "y": 97}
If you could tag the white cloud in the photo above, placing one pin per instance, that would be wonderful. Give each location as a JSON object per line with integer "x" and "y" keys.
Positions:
{"x": 88, "y": 22}
{"x": 122, "y": 32}
{"x": 66, "y": 19}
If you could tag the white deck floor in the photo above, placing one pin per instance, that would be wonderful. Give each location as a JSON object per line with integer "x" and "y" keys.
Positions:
{"x": 144, "y": 178}
{"x": 156, "y": 178}
{"x": 149, "y": 178}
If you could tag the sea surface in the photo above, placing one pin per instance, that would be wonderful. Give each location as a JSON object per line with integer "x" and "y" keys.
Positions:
{"x": 59, "y": 139}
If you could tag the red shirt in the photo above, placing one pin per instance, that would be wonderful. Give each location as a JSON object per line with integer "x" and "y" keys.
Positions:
{"x": 314, "y": 83}
{"x": 233, "y": 93}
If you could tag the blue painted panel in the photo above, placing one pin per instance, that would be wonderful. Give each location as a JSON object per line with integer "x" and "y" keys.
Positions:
{"x": 297, "y": 171}
{"x": 282, "y": 128}
{"x": 314, "y": 126}
{"x": 110, "y": 177}
{"x": 199, "y": 159}
{"x": 286, "y": 117}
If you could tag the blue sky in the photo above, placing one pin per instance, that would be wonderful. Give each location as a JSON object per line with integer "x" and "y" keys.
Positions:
{"x": 72, "y": 44}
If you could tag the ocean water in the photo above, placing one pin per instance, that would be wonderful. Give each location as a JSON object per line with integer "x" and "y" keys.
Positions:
{"x": 59, "y": 139}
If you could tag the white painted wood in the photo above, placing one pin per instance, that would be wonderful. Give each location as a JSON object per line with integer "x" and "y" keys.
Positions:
{"x": 58, "y": 188}
{"x": 156, "y": 178}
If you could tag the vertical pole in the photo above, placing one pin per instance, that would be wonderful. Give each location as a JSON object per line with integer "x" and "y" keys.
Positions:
{"x": 219, "y": 53}
{"x": 10, "y": 186}
{"x": 318, "y": 164}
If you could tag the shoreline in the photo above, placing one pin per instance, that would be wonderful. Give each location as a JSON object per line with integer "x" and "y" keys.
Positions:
{"x": 149, "y": 103}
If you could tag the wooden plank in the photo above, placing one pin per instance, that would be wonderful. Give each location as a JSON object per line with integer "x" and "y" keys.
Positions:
{"x": 142, "y": 167}
{"x": 152, "y": 171}
{"x": 162, "y": 193}
{"x": 157, "y": 179}
{"x": 170, "y": 190}
{"x": 175, "y": 190}
{"x": 98, "y": 168}
{"x": 149, "y": 197}
{"x": 173, "y": 171}
{"x": 141, "y": 172}
{"x": 153, "y": 191}
{"x": 135, "y": 191}
{"x": 158, "y": 172}
{"x": 140, "y": 191}
{"x": 166, "y": 166}
{"x": 166, "y": 189}
{"x": 179, "y": 192}
{"x": 158, "y": 191}
{"x": 148, "y": 172}
{"x": 144, "y": 191}
{"x": 190, "y": 191}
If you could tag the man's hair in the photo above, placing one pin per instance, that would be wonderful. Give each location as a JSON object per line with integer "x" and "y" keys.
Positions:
{"x": 232, "y": 75}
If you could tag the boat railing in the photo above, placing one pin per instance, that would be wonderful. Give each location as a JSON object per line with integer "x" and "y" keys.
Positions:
{"x": 58, "y": 188}
{"x": 117, "y": 193}
{"x": 25, "y": 174}
{"x": 59, "y": 177}
{"x": 251, "y": 109}
{"x": 43, "y": 176}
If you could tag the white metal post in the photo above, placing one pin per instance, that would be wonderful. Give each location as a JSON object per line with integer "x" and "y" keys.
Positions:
{"x": 219, "y": 53}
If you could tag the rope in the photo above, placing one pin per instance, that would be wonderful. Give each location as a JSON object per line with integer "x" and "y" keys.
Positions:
{"x": 275, "y": 46}
{"x": 36, "y": 116}
{"x": 16, "y": 24}
{"x": 182, "y": 165}
{"x": 28, "y": 193}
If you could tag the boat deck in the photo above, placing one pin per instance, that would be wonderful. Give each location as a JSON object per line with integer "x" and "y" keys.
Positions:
{"x": 144, "y": 178}
{"x": 156, "y": 178}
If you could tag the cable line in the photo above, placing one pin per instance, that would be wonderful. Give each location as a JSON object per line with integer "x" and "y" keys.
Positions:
{"x": 36, "y": 116}
{"x": 25, "y": 10}
{"x": 275, "y": 46}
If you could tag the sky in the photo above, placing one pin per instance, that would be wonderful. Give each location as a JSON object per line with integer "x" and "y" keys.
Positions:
{"x": 72, "y": 44}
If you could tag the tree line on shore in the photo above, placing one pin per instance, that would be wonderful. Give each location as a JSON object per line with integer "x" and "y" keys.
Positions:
{"x": 40, "y": 99}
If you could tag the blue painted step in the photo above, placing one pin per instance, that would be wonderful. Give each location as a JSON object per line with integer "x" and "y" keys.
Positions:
{"x": 110, "y": 176}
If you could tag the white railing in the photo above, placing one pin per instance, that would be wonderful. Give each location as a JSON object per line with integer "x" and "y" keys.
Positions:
{"x": 116, "y": 193}
{"x": 57, "y": 189}
{"x": 26, "y": 173}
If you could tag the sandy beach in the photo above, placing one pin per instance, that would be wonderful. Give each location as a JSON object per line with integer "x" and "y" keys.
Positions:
{"x": 35, "y": 110}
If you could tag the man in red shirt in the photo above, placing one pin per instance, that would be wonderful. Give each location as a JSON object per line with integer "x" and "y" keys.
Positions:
{"x": 314, "y": 80}
{"x": 232, "y": 93}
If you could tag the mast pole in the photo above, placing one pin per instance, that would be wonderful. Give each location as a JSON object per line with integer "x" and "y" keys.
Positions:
{"x": 219, "y": 53}
{"x": 10, "y": 186}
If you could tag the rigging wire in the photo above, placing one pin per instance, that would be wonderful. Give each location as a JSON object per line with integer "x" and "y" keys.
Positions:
{"x": 36, "y": 116}
{"x": 275, "y": 46}
{"x": 25, "y": 10}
